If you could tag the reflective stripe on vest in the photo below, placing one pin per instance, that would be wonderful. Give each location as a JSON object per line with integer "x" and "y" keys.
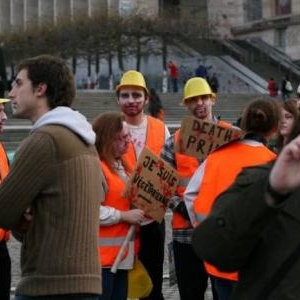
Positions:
{"x": 113, "y": 241}
{"x": 220, "y": 172}
{"x": 155, "y": 140}
{"x": 117, "y": 241}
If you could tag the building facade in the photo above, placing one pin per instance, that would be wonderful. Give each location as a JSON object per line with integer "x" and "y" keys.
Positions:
{"x": 277, "y": 22}
{"x": 19, "y": 14}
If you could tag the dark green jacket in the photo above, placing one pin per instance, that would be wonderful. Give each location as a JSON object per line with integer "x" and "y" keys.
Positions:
{"x": 245, "y": 234}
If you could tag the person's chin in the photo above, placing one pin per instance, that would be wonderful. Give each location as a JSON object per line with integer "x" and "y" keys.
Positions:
{"x": 200, "y": 116}
{"x": 17, "y": 114}
{"x": 132, "y": 112}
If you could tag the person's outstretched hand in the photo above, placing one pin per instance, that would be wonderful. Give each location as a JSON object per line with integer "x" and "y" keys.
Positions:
{"x": 285, "y": 175}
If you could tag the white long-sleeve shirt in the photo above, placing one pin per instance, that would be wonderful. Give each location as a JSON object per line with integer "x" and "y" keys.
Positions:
{"x": 192, "y": 191}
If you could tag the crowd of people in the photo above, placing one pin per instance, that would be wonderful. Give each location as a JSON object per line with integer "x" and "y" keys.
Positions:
{"x": 235, "y": 215}
{"x": 201, "y": 71}
{"x": 284, "y": 89}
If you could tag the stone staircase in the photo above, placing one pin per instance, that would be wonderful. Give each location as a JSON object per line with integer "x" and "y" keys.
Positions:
{"x": 92, "y": 103}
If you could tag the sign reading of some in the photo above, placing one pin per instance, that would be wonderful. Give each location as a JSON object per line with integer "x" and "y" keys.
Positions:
{"x": 151, "y": 185}
{"x": 199, "y": 138}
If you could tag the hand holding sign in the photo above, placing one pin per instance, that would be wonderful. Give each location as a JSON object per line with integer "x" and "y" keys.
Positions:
{"x": 152, "y": 185}
{"x": 199, "y": 138}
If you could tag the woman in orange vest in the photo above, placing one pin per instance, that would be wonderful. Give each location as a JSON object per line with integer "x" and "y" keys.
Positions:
{"x": 116, "y": 214}
{"x": 259, "y": 121}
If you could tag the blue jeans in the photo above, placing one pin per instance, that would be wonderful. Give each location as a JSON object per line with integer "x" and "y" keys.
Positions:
{"x": 223, "y": 287}
{"x": 58, "y": 297}
{"x": 114, "y": 286}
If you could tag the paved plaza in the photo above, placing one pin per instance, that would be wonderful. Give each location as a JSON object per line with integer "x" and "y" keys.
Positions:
{"x": 170, "y": 292}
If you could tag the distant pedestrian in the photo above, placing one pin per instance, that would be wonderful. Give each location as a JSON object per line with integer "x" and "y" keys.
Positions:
{"x": 174, "y": 74}
{"x": 2, "y": 88}
{"x": 298, "y": 91}
{"x": 214, "y": 83}
{"x": 201, "y": 71}
{"x": 286, "y": 88}
{"x": 155, "y": 106}
{"x": 272, "y": 87}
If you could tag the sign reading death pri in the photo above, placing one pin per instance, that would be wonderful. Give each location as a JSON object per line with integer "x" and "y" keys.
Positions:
{"x": 199, "y": 138}
{"x": 151, "y": 185}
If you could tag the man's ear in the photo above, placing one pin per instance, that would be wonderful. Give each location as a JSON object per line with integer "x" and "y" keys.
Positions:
{"x": 41, "y": 89}
{"x": 146, "y": 99}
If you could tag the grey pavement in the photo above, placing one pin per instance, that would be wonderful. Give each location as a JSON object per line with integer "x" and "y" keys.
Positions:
{"x": 169, "y": 292}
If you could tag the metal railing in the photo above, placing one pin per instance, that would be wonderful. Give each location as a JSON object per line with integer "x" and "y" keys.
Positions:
{"x": 275, "y": 54}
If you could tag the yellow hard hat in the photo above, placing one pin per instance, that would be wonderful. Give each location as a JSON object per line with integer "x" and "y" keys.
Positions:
{"x": 3, "y": 100}
{"x": 139, "y": 282}
{"x": 196, "y": 86}
{"x": 132, "y": 78}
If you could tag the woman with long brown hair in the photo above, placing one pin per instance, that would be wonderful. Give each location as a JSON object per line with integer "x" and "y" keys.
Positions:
{"x": 116, "y": 213}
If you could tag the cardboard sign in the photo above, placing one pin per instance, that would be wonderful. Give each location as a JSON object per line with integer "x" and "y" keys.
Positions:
{"x": 199, "y": 138}
{"x": 152, "y": 185}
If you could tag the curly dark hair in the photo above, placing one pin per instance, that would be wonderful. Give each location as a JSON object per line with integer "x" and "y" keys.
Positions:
{"x": 53, "y": 72}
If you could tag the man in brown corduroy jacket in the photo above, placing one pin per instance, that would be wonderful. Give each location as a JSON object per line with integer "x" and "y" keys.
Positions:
{"x": 56, "y": 175}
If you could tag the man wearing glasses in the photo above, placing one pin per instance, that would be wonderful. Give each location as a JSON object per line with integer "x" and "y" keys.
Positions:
{"x": 132, "y": 97}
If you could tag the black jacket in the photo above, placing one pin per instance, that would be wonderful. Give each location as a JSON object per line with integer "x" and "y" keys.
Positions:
{"x": 245, "y": 234}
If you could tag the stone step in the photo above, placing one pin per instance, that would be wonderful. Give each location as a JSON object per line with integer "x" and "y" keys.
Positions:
{"x": 90, "y": 104}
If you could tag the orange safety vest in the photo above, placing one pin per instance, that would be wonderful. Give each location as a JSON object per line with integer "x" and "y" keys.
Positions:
{"x": 186, "y": 167}
{"x": 111, "y": 237}
{"x": 220, "y": 172}
{"x": 4, "y": 168}
{"x": 155, "y": 140}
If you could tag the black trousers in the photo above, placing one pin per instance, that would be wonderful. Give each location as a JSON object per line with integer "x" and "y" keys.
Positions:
{"x": 5, "y": 272}
{"x": 190, "y": 272}
{"x": 151, "y": 254}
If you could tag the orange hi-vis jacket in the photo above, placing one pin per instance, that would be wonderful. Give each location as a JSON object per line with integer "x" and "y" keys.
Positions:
{"x": 186, "y": 166}
{"x": 221, "y": 169}
{"x": 155, "y": 140}
{"x": 111, "y": 237}
{"x": 4, "y": 168}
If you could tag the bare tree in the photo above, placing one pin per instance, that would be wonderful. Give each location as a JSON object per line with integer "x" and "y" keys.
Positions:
{"x": 103, "y": 36}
